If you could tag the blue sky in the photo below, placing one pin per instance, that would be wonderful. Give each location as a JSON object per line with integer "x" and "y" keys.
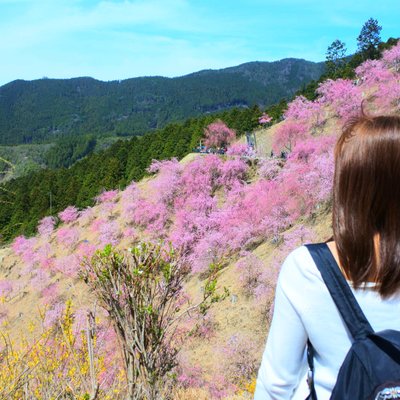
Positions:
{"x": 115, "y": 39}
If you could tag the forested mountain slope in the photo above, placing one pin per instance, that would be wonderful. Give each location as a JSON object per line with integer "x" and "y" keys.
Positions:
{"x": 28, "y": 198}
{"x": 42, "y": 110}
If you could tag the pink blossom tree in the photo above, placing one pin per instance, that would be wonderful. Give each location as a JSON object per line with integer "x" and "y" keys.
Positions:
{"x": 26, "y": 250}
{"x": 96, "y": 224}
{"x": 232, "y": 172}
{"x": 50, "y": 294}
{"x": 191, "y": 220}
{"x": 388, "y": 96}
{"x": 41, "y": 280}
{"x": 68, "y": 237}
{"x": 391, "y": 57}
{"x": 152, "y": 217}
{"x": 208, "y": 250}
{"x": 264, "y": 119}
{"x": 130, "y": 200}
{"x": 22, "y": 245}
{"x": 106, "y": 201}
{"x": 46, "y": 226}
{"x": 86, "y": 216}
{"x": 130, "y": 233}
{"x": 382, "y": 84}
{"x": 372, "y": 72}
{"x": 85, "y": 250}
{"x": 342, "y": 97}
{"x": 288, "y": 134}
{"x": 270, "y": 168}
{"x": 44, "y": 257}
{"x": 310, "y": 113}
{"x": 68, "y": 265}
{"x": 200, "y": 176}
{"x": 70, "y": 214}
{"x": 107, "y": 196}
{"x": 307, "y": 177}
{"x": 217, "y": 134}
{"x": 109, "y": 233}
{"x": 296, "y": 237}
{"x": 240, "y": 149}
{"x": 165, "y": 186}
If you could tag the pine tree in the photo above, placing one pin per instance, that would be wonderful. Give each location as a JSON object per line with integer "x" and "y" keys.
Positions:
{"x": 335, "y": 57}
{"x": 369, "y": 39}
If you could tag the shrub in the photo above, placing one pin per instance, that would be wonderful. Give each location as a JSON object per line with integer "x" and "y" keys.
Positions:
{"x": 57, "y": 364}
{"x": 6, "y": 288}
{"x": 250, "y": 269}
{"x": 142, "y": 291}
{"x": 241, "y": 362}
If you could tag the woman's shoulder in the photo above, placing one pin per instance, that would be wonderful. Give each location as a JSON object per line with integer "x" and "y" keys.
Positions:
{"x": 299, "y": 266}
{"x": 300, "y": 257}
{"x": 299, "y": 253}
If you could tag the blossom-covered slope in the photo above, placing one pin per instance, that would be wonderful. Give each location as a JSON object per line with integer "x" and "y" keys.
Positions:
{"x": 243, "y": 212}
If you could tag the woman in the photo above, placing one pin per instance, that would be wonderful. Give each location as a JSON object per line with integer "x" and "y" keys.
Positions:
{"x": 366, "y": 246}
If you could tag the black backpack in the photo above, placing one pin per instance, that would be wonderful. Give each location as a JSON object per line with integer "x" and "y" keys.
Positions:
{"x": 371, "y": 369}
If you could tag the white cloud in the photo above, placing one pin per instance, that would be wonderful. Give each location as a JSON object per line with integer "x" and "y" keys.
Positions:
{"x": 112, "y": 40}
{"x": 42, "y": 22}
{"x": 123, "y": 55}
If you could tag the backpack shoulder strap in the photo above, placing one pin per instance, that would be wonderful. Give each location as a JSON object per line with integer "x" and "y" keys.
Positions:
{"x": 340, "y": 291}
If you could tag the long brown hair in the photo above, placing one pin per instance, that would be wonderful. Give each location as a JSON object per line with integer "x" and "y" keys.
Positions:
{"x": 366, "y": 202}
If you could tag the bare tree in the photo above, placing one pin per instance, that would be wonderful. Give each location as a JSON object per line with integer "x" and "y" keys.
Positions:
{"x": 143, "y": 292}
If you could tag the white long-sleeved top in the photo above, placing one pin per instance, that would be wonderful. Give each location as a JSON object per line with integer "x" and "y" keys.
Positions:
{"x": 304, "y": 309}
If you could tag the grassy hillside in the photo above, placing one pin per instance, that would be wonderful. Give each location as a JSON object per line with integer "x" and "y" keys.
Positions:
{"x": 47, "y": 279}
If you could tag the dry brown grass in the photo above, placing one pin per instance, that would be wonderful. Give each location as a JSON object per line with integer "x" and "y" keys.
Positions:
{"x": 231, "y": 317}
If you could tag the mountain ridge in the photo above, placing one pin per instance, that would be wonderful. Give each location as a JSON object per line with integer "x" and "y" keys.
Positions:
{"x": 44, "y": 109}
{"x": 199, "y": 72}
